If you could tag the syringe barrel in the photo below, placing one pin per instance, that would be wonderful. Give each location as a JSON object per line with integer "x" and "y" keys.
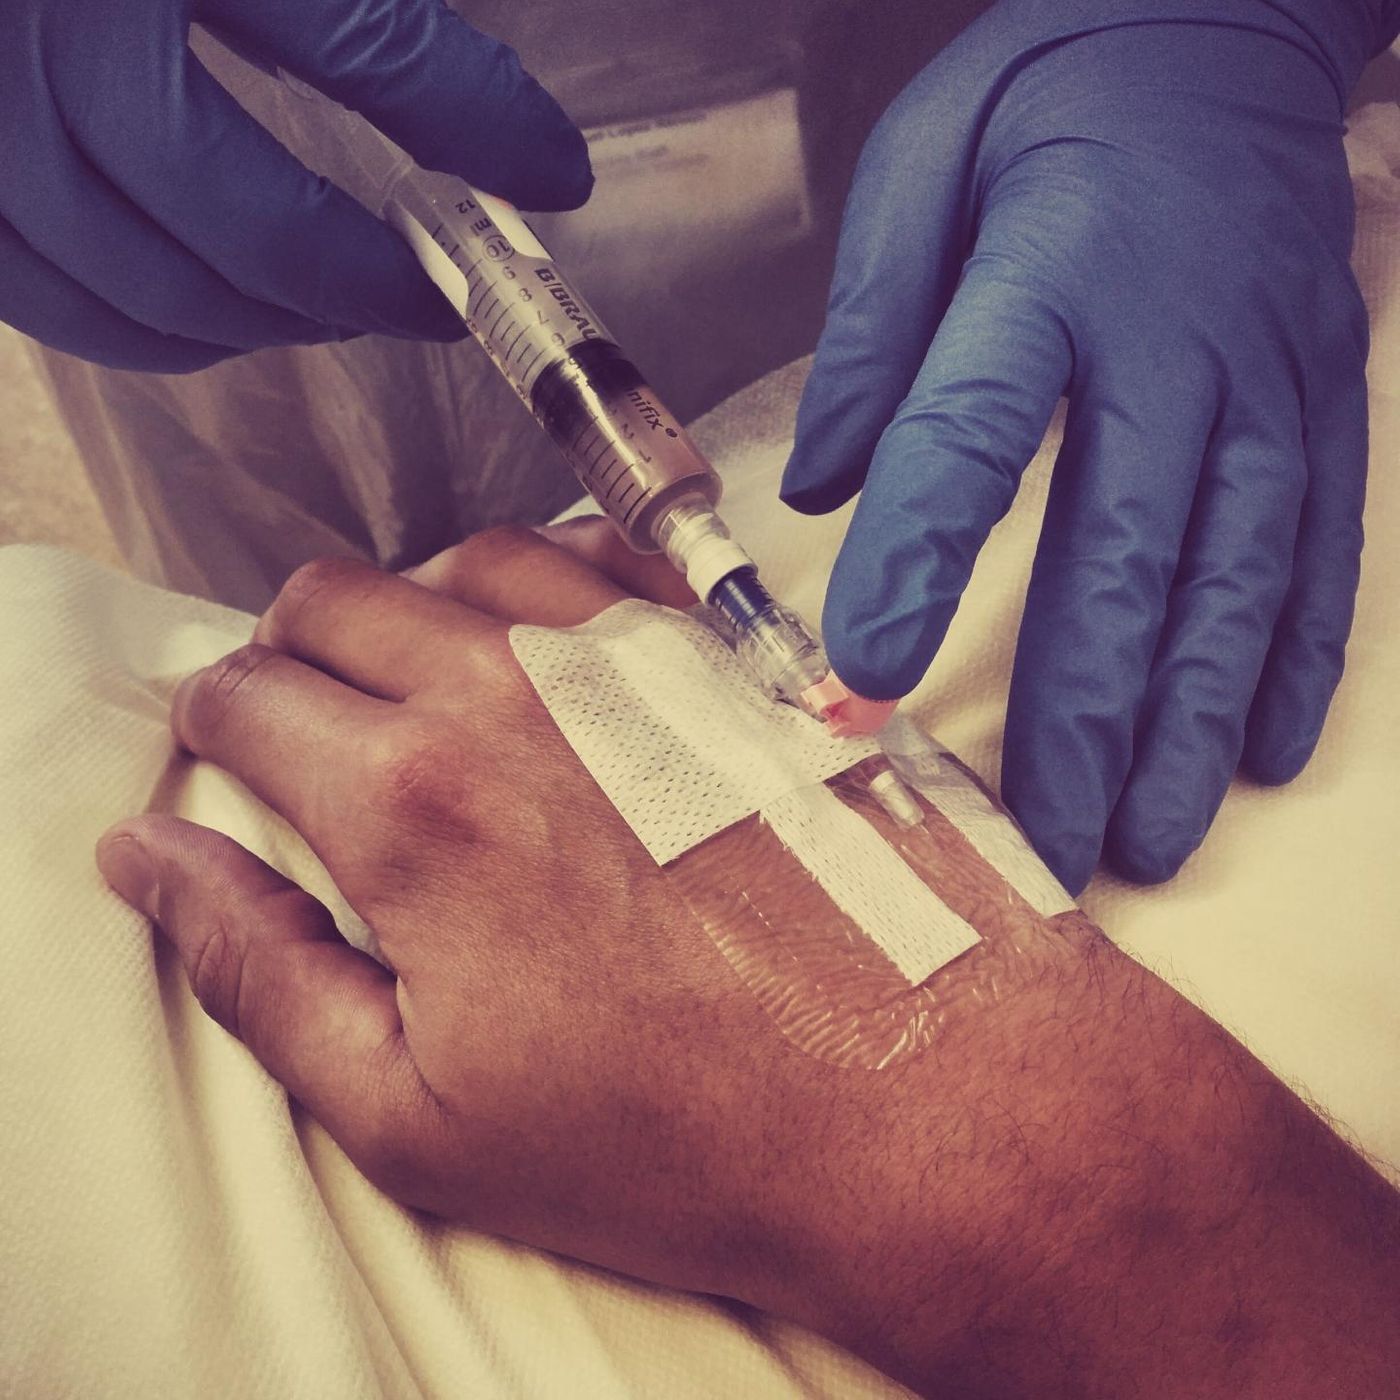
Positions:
{"x": 626, "y": 448}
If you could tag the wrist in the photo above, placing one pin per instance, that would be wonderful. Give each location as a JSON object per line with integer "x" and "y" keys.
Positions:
{"x": 929, "y": 1217}
{"x": 1057, "y": 1200}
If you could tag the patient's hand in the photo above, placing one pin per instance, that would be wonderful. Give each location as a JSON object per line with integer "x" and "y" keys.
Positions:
{"x": 561, "y": 1055}
{"x": 559, "y": 1045}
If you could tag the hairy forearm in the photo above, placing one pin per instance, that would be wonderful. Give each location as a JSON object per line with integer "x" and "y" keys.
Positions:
{"x": 1096, "y": 1191}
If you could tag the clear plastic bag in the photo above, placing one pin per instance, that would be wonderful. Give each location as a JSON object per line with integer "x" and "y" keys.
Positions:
{"x": 221, "y": 483}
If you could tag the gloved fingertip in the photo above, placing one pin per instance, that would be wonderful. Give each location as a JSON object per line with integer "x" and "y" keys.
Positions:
{"x": 877, "y": 674}
{"x": 1274, "y": 764}
{"x": 810, "y": 484}
{"x": 838, "y": 423}
{"x": 846, "y": 713}
{"x": 1282, "y": 732}
{"x": 402, "y": 301}
{"x": 1150, "y": 857}
{"x": 868, "y": 685}
{"x": 540, "y": 162}
{"x": 808, "y": 498}
{"x": 565, "y": 181}
{"x": 428, "y": 316}
{"x": 1073, "y": 871}
{"x": 1070, "y": 857}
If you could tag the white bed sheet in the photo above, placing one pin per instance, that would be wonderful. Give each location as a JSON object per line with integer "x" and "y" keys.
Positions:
{"x": 169, "y": 1228}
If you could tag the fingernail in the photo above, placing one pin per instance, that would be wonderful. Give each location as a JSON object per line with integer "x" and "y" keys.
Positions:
{"x": 129, "y": 869}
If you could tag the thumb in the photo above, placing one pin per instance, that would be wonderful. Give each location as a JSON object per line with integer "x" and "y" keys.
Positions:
{"x": 454, "y": 98}
{"x": 266, "y": 962}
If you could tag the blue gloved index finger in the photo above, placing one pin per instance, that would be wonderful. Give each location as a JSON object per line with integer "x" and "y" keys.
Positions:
{"x": 904, "y": 236}
{"x": 945, "y": 471}
{"x": 454, "y": 98}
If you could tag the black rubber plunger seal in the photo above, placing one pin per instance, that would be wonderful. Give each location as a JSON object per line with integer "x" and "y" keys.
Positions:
{"x": 602, "y": 365}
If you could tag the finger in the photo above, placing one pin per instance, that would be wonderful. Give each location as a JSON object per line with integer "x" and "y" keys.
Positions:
{"x": 904, "y": 237}
{"x": 218, "y": 184}
{"x": 1225, "y": 599}
{"x": 516, "y": 575}
{"x": 1304, "y": 663}
{"x": 455, "y": 99}
{"x": 45, "y": 303}
{"x": 651, "y": 576}
{"x": 266, "y": 962}
{"x": 1120, "y": 499}
{"x": 373, "y": 630}
{"x": 282, "y": 728}
{"x": 135, "y": 263}
{"x": 945, "y": 471}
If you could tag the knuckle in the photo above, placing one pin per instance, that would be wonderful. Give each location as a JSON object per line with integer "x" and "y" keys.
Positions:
{"x": 418, "y": 777}
{"x": 219, "y": 686}
{"x": 311, "y": 581}
{"x": 496, "y": 547}
{"x": 216, "y": 973}
{"x": 503, "y": 539}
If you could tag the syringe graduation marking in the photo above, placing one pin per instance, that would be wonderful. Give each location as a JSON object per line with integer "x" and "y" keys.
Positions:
{"x": 557, "y": 357}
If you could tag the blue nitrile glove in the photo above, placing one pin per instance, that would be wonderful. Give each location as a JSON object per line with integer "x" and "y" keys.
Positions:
{"x": 146, "y": 222}
{"x": 1142, "y": 205}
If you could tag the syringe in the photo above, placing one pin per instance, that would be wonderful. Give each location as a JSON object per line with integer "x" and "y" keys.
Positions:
{"x": 629, "y": 452}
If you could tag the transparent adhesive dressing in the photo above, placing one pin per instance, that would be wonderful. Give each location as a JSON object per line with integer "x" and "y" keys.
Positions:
{"x": 863, "y": 936}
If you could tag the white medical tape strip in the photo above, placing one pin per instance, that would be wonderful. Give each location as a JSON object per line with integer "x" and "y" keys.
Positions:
{"x": 684, "y": 744}
{"x": 868, "y": 882}
{"x": 670, "y": 725}
{"x": 991, "y": 833}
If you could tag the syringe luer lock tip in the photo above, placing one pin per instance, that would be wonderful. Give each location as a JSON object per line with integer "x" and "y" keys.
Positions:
{"x": 771, "y": 640}
{"x": 787, "y": 659}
